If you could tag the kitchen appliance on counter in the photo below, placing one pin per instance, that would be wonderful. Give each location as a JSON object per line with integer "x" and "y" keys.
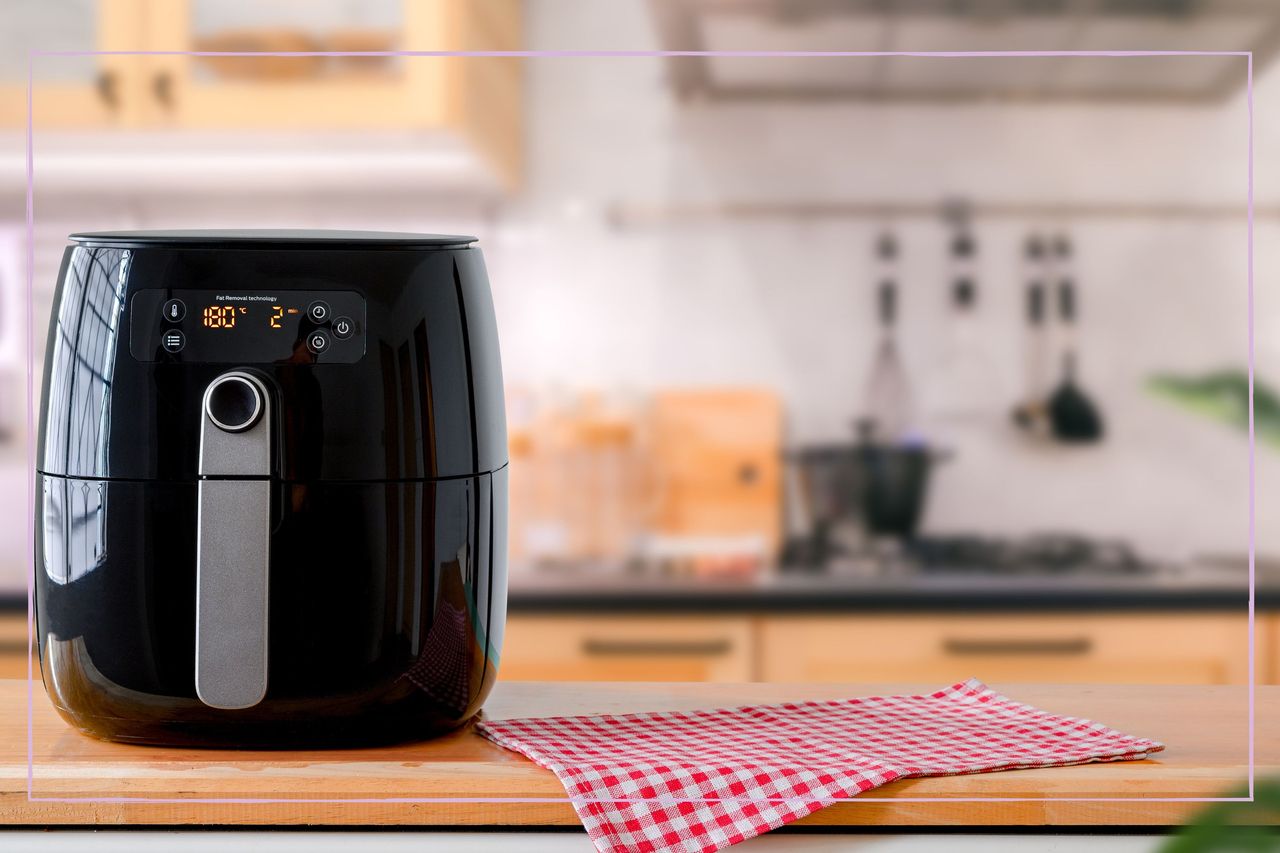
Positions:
{"x": 272, "y": 488}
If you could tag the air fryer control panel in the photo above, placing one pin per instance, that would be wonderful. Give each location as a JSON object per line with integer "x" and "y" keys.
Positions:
{"x": 247, "y": 327}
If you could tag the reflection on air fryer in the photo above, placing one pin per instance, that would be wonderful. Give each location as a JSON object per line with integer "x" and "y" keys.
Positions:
{"x": 300, "y": 553}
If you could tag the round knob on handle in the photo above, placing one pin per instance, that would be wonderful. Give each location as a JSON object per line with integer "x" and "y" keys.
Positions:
{"x": 233, "y": 403}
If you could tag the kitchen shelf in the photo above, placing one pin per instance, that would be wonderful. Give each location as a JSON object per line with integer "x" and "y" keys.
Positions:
{"x": 143, "y": 80}
{"x": 401, "y": 162}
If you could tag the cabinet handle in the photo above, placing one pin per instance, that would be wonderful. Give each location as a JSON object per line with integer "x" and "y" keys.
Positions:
{"x": 107, "y": 85}
{"x": 1015, "y": 646}
{"x": 162, "y": 88}
{"x": 673, "y": 648}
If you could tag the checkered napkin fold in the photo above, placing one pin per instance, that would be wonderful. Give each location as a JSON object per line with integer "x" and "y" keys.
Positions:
{"x": 699, "y": 781}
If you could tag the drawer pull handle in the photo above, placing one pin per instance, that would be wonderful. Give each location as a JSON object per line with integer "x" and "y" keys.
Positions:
{"x": 674, "y": 648}
{"x": 1015, "y": 646}
{"x": 107, "y": 85}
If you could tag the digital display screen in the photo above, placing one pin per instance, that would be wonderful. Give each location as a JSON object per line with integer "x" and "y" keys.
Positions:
{"x": 304, "y": 327}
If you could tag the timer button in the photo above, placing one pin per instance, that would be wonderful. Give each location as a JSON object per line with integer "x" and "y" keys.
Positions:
{"x": 318, "y": 311}
{"x": 343, "y": 328}
{"x": 233, "y": 404}
{"x": 175, "y": 310}
{"x": 317, "y": 342}
{"x": 173, "y": 341}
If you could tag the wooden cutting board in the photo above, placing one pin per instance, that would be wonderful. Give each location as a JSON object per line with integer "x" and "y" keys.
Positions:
{"x": 718, "y": 463}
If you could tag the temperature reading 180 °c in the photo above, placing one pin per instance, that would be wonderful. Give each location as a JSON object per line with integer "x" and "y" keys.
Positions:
{"x": 219, "y": 317}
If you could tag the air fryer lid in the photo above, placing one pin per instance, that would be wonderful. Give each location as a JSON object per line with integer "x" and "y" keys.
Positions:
{"x": 274, "y": 238}
{"x": 412, "y": 390}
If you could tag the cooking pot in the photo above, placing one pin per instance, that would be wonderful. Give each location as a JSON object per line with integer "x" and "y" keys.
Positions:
{"x": 883, "y": 488}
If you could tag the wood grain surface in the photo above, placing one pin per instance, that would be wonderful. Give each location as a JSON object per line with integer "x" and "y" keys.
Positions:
{"x": 1204, "y": 728}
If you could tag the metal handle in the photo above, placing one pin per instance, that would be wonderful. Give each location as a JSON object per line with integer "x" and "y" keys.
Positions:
{"x": 233, "y": 544}
{"x": 670, "y": 648}
{"x": 1018, "y": 646}
{"x": 108, "y": 87}
{"x": 162, "y": 88}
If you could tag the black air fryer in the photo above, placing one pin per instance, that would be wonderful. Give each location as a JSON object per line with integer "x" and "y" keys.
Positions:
{"x": 271, "y": 488}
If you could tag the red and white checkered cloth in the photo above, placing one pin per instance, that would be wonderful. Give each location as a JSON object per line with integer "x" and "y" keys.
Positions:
{"x": 702, "y": 780}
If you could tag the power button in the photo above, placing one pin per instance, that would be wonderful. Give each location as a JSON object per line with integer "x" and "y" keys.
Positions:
{"x": 343, "y": 328}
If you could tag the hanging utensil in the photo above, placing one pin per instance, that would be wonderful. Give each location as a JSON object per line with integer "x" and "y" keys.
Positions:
{"x": 887, "y": 401}
{"x": 1073, "y": 415}
{"x": 1031, "y": 413}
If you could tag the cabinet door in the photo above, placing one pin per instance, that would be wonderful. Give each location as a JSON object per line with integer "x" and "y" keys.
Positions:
{"x": 281, "y": 92}
{"x": 474, "y": 102}
{"x": 627, "y": 648}
{"x": 1122, "y": 648}
{"x": 70, "y": 91}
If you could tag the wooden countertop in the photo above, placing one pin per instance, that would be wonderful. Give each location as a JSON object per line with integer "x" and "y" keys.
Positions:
{"x": 1204, "y": 729}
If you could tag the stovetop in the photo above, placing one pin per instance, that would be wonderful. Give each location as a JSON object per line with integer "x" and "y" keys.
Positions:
{"x": 1042, "y": 554}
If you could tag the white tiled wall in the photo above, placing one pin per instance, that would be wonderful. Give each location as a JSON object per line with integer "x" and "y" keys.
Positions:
{"x": 785, "y": 303}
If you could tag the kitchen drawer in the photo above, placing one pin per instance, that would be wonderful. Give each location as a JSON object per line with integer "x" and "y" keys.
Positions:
{"x": 625, "y": 648}
{"x": 1062, "y": 648}
{"x": 13, "y": 646}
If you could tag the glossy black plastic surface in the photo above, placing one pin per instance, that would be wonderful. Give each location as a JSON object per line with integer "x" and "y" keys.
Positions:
{"x": 386, "y": 610}
{"x": 387, "y": 569}
{"x": 425, "y": 401}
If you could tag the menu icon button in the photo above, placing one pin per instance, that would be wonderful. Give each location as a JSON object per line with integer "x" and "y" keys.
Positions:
{"x": 173, "y": 341}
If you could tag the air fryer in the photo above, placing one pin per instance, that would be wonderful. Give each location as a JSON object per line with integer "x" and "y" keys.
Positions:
{"x": 271, "y": 488}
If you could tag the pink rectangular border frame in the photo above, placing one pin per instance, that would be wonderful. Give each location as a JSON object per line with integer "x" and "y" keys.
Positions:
{"x": 532, "y": 54}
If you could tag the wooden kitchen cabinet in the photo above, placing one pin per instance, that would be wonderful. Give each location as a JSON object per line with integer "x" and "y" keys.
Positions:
{"x": 79, "y": 92}
{"x": 1119, "y": 648}
{"x": 473, "y": 102}
{"x": 628, "y": 648}
{"x": 1168, "y": 648}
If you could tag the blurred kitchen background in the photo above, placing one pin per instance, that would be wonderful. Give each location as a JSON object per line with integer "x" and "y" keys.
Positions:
{"x": 819, "y": 368}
